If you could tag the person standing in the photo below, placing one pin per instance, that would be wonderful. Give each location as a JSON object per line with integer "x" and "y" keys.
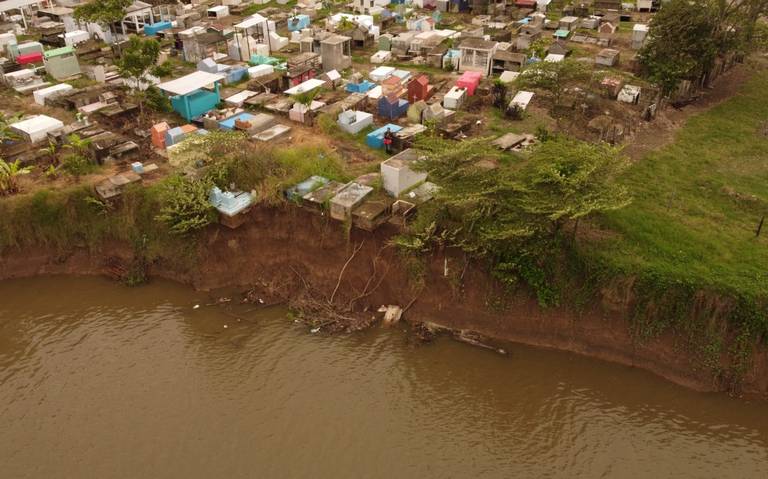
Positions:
{"x": 388, "y": 136}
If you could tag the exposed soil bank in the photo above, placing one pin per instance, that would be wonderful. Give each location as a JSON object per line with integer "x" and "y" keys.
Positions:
{"x": 281, "y": 250}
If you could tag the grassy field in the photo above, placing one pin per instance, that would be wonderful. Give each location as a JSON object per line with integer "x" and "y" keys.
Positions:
{"x": 698, "y": 201}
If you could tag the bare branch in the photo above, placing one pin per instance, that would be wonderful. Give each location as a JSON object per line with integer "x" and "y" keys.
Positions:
{"x": 344, "y": 268}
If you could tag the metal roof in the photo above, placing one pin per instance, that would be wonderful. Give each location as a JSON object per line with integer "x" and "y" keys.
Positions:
{"x": 306, "y": 86}
{"x": 251, "y": 21}
{"x": 190, "y": 83}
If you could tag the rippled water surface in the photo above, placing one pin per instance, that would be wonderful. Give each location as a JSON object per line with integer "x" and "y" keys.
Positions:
{"x": 98, "y": 380}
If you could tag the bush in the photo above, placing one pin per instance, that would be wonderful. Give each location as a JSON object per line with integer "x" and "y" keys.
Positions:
{"x": 77, "y": 165}
{"x": 9, "y": 173}
{"x": 185, "y": 206}
{"x": 327, "y": 124}
{"x": 157, "y": 101}
{"x": 163, "y": 70}
{"x": 514, "y": 112}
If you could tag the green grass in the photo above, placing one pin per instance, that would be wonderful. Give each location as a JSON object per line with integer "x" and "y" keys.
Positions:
{"x": 301, "y": 162}
{"x": 419, "y": 68}
{"x": 253, "y": 8}
{"x": 697, "y": 203}
{"x": 498, "y": 124}
{"x": 75, "y": 217}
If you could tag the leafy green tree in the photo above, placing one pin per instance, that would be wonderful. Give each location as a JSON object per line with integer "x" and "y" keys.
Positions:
{"x": 9, "y": 174}
{"x": 185, "y": 206}
{"x": 537, "y": 48}
{"x": 477, "y": 209}
{"x": 562, "y": 181}
{"x": 165, "y": 69}
{"x": 345, "y": 24}
{"x": 476, "y": 205}
{"x": 681, "y": 44}
{"x": 105, "y": 12}
{"x": 566, "y": 180}
{"x": 511, "y": 213}
{"x": 737, "y": 23}
{"x": 760, "y": 36}
{"x": 137, "y": 59}
{"x": 554, "y": 77}
{"x": 687, "y": 36}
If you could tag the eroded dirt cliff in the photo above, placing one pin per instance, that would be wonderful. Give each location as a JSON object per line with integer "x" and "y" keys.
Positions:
{"x": 283, "y": 250}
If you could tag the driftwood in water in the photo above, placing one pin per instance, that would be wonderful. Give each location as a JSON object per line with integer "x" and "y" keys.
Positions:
{"x": 475, "y": 339}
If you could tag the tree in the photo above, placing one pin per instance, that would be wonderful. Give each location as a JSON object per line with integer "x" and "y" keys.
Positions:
{"x": 537, "y": 48}
{"x": 9, "y": 173}
{"x": 138, "y": 58}
{"x": 477, "y": 209}
{"x": 106, "y": 12}
{"x": 345, "y": 24}
{"x": 760, "y": 36}
{"x": 566, "y": 180}
{"x": 563, "y": 180}
{"x": 680, "y": 45}
{"x": 687, "y": 36}
{"x": 554, "y": 77}
{"x": 135, "y": 62}
{"x": 185, "y": 205}
{"x": 736, "y": 23}
{"x": 511, "y": 213}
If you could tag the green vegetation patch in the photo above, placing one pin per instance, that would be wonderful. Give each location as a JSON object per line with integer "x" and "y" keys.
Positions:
{"x": 698, "y": 202}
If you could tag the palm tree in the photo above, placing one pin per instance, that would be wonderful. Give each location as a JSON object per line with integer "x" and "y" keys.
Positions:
{"x": 9, "y": 173}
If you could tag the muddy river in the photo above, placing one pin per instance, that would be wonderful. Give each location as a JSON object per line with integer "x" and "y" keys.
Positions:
{"x": 102, "y": 381}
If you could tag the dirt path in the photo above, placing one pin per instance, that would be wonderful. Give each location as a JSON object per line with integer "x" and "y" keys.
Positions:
{"x": 651, "y": 136}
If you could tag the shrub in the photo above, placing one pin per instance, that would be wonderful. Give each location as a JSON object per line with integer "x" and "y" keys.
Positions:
{"x": 163, "y": 70}
{"x": 157, "y": 101}
{"x": 9, "y": 173}
{"x": 77, "y": 165}
{"x": 185, "y": 206}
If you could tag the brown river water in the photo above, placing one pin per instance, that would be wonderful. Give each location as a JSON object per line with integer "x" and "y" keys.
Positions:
{"x": 98, "y": 380}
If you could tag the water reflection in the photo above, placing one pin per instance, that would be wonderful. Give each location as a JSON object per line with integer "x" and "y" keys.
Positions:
{"x": 104, "y": 381}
